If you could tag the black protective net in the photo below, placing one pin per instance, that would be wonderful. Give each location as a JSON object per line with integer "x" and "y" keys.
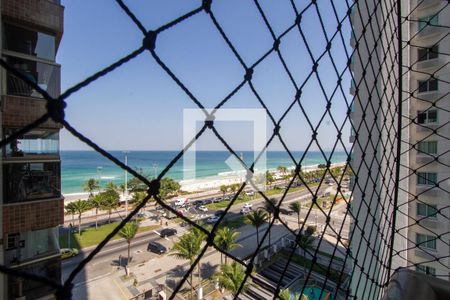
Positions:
{"x": 362, "y": 259}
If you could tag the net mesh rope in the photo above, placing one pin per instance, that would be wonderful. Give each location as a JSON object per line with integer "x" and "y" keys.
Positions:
{"x": 376, "y": 142}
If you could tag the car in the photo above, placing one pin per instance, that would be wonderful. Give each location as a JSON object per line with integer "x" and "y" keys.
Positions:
{"x": 202, "y": 208}
{"x": 219, "y": 212}
{"x": 68, "y": 252}
{"x": 181, "y": 201}
{"x": 217, "y": 199}
{"x": 167, "y": 232}
{"x": 248, "y": 205}
{"x": 207, "y": 201}
{"x": 198, "y": 202}
{"x": 212, "y": 219}
{"x": 156, "y": 247}
{"x": 250, "y": 193}
{"x": 246, "y": 210}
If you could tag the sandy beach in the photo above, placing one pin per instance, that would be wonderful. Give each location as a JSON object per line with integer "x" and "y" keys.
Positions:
{"x": 212, "y": 183}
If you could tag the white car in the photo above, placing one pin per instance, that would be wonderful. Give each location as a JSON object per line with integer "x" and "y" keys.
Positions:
{"x": 212, "y": 219}
{"x": 202, "y": 208}
{"x": 246, "y": 210}
{"x": 248, "y": 205}
{"x": 181, "y": 201}
{"x": 250, "y": 193}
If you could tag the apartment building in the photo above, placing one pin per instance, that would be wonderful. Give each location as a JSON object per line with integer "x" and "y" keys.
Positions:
{"x": 429, "y": 114}
{"x": 422, "y": 220}
{"x": 31, "y": 202}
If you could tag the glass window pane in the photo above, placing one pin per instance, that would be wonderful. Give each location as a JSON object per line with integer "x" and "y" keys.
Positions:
{"x": 421, "y": 117}
{"x": 29, "y": 42}
{"x": 433, "y": 52}
{"x": 46, "y": 76}
{"x": 432, "y": 85}
{"x": 422, "y": 86}
{"x": 422, "y": 54}
{"x": 432, "y": 116}
{"x": 35, "y": 142}
{"x": 421, "y": 210}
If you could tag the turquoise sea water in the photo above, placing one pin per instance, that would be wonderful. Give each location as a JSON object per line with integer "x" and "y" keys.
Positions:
{"x": 78, "y": 166}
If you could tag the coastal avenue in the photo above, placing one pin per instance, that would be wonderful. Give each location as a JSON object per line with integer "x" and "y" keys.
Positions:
{"x": 105, "y": 263}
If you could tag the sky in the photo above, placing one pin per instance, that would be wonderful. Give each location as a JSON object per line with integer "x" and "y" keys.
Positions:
{"x": 139, "y": 107}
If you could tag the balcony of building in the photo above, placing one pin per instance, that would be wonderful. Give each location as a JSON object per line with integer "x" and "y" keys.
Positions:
{"x": 47, "y": 15}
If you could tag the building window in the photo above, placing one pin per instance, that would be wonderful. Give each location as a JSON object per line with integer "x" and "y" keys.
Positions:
{"x": 426, "y": 269}
{"x": 427, "y": 210}
{"x": 428, "y": 21}
{"x": 426, "y": 178}
{"x": 46, "y": 76}
{"x": 29, "y": 42}
{"x": 31, "y": 181}
{"x": 426, "y": 241}
{"x": 428, "y": 85}
{"x": 427, "y": 117}
{"x": 34, "y": 142}
{"x": 427, "y": 147}
{"x": 427, "y": 53}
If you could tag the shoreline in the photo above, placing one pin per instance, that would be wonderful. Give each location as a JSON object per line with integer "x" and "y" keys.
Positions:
{"x": 206, "y": 183}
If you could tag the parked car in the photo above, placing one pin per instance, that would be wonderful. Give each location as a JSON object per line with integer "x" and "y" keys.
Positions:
{"x": 212, "y": 219}
{"x": 219, "y": 212}
{"x": 181, "y": 201}
{"x": 217, "y": 199}
{"x": 68, "y": 252}
{"x": 156, "y": 247}
{"x": 198, "y": 202}
{"x": 248, "y": 205}
{"x": 202, "y": 208}
{"x": 167, "y": 232}
{"x": 246, "y": 210}
{"x": 250, "y": 193}
{"x": 207, "y": 201}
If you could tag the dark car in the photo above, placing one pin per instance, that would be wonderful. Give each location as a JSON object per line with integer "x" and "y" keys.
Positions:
{"x": 156, "y": 247}
{"x": 167, "y": 232}
{"x": 198, "y": 203}
{"x": 207, "y": 201}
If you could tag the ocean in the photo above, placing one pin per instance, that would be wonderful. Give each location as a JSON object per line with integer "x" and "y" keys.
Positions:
{"x": 79, "y": 166}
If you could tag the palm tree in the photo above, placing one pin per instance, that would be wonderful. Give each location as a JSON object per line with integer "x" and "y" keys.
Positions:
{"x": 226, "y": 240}
{"x": 80, "y": 206}
{"x": 96, "y": 202}
{"x": 296, "y": 207}
{"x": 231, "y": 277}
{"x": 110, "y": 201}
{"x": 188, "y": 247}
{"x": 223, "y": 189}
{"x": 257, "y": 218}
{"x": 90, "y": 186}
{"x": 286, "y": 295}
{"x": 70, "y": 210}
{"x": 305, "y": 241}
{"x": 282, "y": 169}
{"x": 270, "y": 206}
{"x": 269, "y": 178}
{"x": 128, "y": 232}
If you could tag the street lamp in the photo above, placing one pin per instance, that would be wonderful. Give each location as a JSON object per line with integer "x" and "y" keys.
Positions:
{"x": 125, "y": 192}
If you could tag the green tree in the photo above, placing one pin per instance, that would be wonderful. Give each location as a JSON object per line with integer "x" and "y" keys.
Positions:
{"x": 70, "y": 210}
{"x": 305, "y": 241}
{"x": 226, "y": 239}
{"x": 223, "y": 189}
{"x": 90, "y": 186}
{"x": 96, "y": 202}
{"x": 112, "y": 187}
{"x": 285, "y": 294}
{"x": 282, "y": 169}
{"x": 168, "y": 187}
{"x": 110, "y": 201}
{"x": 257, "y": 218}
{"x": 188, "y": 248}
{"x": 231, "y": 277}
{"x": 296, "y": 208}
{"x": 270, "y": 206}
{"x": 128, "y": 232}
{"x": 269, "y": 178}
{"x": 81, "y": 206}
{"x": 136, "y": 185}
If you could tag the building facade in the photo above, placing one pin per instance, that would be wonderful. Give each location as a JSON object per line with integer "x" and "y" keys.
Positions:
{"x": 429, "y": 116}
{"x": 422, "y": 240}
{"x": 31, "y": 201}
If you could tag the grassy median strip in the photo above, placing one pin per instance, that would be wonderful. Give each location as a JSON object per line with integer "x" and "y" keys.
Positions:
{"x": 91, "y": 236}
